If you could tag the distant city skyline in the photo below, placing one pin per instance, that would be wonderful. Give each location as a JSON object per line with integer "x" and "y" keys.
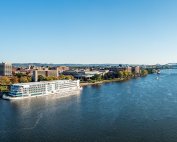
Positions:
{"x": 88, "y": 31}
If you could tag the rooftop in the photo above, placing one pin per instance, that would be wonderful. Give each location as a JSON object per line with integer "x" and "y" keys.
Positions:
{"x": 33, "y": 83}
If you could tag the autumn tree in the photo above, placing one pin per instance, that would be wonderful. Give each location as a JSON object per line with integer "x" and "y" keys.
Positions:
{"x": 69, "y": 77}
{"x": 29, "y": 78}
{"x": 49, "y": 78}
{"x": 14, "y": 80}
{"x": 23, "y": 79}
{"x": 144, "y": 72}
{"x": 61, "y": 77}
{"x": 4, "y": 80}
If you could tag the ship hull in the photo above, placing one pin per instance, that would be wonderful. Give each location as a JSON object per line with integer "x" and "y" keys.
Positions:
{"x": 59, "y": 94}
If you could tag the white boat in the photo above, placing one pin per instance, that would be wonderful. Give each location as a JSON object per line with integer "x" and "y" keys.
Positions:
{"x": 158, "y": 71}
{"x": 37, "y": 89}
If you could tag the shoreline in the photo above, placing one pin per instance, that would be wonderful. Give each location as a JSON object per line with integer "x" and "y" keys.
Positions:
{"x": 83, "y": 84}
{"x": 104, "y": 81}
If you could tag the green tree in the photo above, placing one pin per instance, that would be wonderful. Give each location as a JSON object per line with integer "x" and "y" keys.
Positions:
{"x": 97, "y": 77}
{"x": 19, "y": 75}
{"x": 144, "y": 72}
{"x": 130, "y": 74}
{"x": 41, "y": 78}
{"x": 120, "y": 74}
{"x": 106, "y": 76}
{"x": 62, "y": 77}
{"x": 125, "y": 74}
{"x": 69, "y": 77}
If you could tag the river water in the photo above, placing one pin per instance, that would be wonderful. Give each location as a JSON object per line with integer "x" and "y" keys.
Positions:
{"x": 139, "y": 110}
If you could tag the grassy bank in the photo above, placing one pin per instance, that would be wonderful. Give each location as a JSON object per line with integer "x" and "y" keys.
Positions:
{"x": 94, "y": 82}
{"x": 104, "y": 81}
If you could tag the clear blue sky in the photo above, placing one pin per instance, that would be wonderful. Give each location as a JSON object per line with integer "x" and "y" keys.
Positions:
{"x": 88, "y": 31}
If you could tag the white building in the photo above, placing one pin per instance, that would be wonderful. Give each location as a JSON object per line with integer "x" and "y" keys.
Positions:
{"x": 43, "y": 88}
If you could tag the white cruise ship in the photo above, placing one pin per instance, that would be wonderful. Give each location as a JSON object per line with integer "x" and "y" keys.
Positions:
{"x": 34, "y": 89}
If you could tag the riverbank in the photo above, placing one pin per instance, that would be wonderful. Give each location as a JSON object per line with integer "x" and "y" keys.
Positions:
{"x": 82, "y": 84}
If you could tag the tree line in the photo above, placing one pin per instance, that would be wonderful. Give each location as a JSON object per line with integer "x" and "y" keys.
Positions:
{"x": 124, "y": 75}
{"x": 21, "y": 78}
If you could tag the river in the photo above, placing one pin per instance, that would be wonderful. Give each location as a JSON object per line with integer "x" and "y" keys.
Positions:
{"x": 138, "y": 110}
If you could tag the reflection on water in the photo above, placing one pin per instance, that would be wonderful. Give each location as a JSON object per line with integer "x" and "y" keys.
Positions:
{"x": 139, "y": 110}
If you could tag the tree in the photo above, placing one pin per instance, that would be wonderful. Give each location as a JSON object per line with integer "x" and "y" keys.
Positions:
{"x": 130, "y": 74}
{"x": 120, "y": 74}
{"x": 125, "y": 74}
{"x": 14, "y": 80}
{"x": 144, "y": 72}
{"x": 29, "y": 78}
{"x": 97, "y": 77}
{"x": 61, "y": 77}
{"x": 23, "y": 79}
{"x": 49, "y": 78}
{"x": 69, "y": 77}
{"x": 41, "y": 78}
{"x": 19, "y": 75}
{"x": 4, "y": 80}
{"x": 54, "y": 78}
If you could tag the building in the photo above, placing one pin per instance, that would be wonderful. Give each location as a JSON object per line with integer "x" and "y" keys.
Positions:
{"x": 128, "y": 69}
{"x": 71, "y": 72}
{"x": 86, "y": 74}
{"x": 103, "y": 71}
{"x": 117, "y": 69}
{"x": 81, "y": 74}
{"x": 62, "y": 68}
{"x": 5, "y": 69}
{"x": 44, "y": 73}
{"x": 43, "y": 88}
{"x": 136, "y": 69}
